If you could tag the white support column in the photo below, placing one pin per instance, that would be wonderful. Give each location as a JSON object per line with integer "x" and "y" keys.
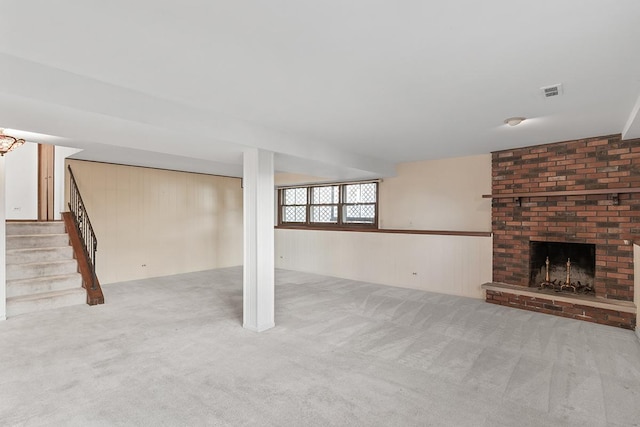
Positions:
{"x": 3, "y": 244}
{"x": 259, "y": 269}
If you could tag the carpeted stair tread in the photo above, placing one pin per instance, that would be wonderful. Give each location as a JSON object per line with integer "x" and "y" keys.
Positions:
{"x": 41, "y": 269}
{"x": 30, "y": 241}
{"x": 38, "y": 285}
{"x": 44, "y": 254}
{"x": 45, "y": 301}
{"x": 34, "y": 227}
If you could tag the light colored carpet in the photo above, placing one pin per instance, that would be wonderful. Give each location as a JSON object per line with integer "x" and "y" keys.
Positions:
{"x": 171, "y": 352}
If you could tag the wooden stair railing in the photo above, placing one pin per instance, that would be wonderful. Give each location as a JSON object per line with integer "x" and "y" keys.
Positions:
{"x": 84, "y": 242}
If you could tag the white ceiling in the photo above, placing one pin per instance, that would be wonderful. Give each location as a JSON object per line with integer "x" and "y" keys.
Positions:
{"x": 341, "y": 89}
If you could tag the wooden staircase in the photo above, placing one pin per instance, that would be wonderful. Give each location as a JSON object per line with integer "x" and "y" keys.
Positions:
{"x": 41, "y": 270}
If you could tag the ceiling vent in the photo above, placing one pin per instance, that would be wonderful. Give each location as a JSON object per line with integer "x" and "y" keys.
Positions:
{"x": 551, "y": 91}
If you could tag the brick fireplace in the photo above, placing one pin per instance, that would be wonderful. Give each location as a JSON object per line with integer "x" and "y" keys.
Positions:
{"x": 559, "y": 197}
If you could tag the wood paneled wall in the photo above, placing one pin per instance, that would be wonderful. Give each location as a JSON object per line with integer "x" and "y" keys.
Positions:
{"x": 455, "y": 265}
{"x": 152, "y": 222}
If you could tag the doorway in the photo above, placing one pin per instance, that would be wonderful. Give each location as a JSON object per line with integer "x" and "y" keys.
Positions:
{"x": 46, "y": 188}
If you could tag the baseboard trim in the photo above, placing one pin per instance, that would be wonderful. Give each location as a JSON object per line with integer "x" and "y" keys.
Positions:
{"x": 259, "y": 328}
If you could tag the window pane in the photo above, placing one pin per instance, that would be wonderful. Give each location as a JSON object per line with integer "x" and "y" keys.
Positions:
{"x": 329, "y": 205}
{"x": 359, "y": 214}
{"x": 368, "y": 193}
{"x": 360, "y": 193}
{"x": 325, "y": 195}
{"x": 294, "y": 214}
{"x": 295, "y": 196}
{"x": 324, "y": 214}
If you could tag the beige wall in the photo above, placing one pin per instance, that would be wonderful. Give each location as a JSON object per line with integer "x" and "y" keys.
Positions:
{"x": 282, "y": 178}
{"x": 438, "y": 195}
{"x": 428, "y": 195}
{"x": 153, "y": 222}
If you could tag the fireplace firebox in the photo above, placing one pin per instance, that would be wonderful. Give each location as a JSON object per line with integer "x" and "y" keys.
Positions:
{"x": 563, "y": 266}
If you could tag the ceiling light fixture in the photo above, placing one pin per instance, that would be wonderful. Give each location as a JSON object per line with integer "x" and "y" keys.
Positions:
{"x": 514, "y": 121}
{"x": 8, "y": 143}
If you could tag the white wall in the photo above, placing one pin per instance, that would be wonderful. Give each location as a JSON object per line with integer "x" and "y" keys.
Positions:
{"x": 429, "y": 195}
{"x": 22, "y": 179}
{"x": 152, "y": 222}
{"x": 22, "y": 182}
{"x": 61, "y": 153}
{"x": 3, "y": 277}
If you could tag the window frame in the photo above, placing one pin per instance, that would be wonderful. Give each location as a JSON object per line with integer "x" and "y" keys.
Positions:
{"x": 340, "y": 224}
{"x": 312, "y": 205}
{"x": 281, "y": 206}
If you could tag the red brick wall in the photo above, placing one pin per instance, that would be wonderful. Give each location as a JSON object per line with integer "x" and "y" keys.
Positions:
{"x": 586, "y": 164}
{"x": 577, "y": 311}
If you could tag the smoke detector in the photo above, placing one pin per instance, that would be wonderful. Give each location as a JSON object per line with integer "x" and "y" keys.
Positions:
{"x": 551, "y": 91}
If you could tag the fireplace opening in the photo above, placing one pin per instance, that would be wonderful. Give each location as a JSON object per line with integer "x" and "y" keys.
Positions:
{"x": 568, "y": 267}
